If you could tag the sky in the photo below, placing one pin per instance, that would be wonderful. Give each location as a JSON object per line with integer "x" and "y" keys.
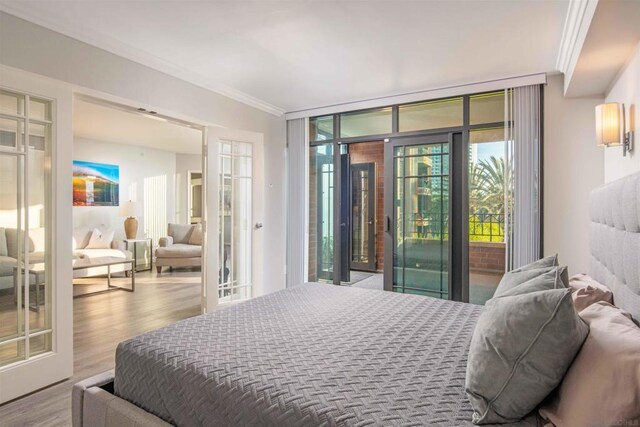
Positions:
{"x": 488, "y": 149}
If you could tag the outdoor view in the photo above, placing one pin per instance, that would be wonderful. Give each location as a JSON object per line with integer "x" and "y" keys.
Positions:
{"x": 487, "y": 178}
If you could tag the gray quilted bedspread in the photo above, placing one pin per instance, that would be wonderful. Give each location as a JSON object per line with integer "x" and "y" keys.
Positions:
{"x": 311, "y": 355}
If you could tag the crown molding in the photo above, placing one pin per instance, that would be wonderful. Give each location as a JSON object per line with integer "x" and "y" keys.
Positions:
{"x": 576, "y": 25}
{"x": 139, "y": 56}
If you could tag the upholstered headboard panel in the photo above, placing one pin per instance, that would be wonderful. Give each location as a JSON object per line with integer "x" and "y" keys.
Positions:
{"x": 615, "y": 240}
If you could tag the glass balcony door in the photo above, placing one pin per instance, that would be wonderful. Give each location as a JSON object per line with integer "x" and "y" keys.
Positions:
{"x": 417, "y": 215}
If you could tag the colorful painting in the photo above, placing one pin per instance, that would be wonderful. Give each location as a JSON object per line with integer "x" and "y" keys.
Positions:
{"x": 95, "y": 184}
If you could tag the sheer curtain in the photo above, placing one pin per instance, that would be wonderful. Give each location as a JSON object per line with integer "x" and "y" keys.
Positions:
{"x": 296, "y": 200}
{"x": 523, "y": 195}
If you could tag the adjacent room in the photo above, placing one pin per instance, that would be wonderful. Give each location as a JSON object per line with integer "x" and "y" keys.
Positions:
{"x": 331, "y": 213}
{"x": 137, "y": 199}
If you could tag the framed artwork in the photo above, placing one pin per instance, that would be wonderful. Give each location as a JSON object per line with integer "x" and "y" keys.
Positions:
{"x": 95, "y": 184}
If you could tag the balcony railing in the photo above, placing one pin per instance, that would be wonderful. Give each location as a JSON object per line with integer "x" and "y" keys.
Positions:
{"x": 486, "y": 227}
{"x": 483, "y": 227}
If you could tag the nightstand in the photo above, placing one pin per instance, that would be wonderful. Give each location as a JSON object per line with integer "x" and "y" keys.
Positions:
{"x": 142, "y": 250}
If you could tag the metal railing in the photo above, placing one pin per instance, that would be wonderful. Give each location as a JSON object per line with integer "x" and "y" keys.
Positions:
{"x": 483, "y": 227}
{"x": 486, "y": 227}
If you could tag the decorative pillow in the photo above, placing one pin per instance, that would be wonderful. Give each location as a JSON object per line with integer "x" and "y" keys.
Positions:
{"x": 550, "y": 261}
{"x": 602, "y": 386}
{"x": 100, "y": 239}
{"x": 514, "y": 278}
{"x": 552, "y": 279}
{"x": 196, "y": 235}
{"x": 521, "y": 348}
{"x": 81, "y": 237}
{"x": 520, "y": 275}
{"x": 586, "y": 291}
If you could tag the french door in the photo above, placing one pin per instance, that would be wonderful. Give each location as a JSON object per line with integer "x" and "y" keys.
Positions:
{"x": 424, "y": 211}
{"x": 36, "y": 331}
{"x": 233, "y": 210}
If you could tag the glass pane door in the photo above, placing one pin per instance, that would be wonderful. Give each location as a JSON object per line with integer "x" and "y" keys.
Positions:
{"x": 417, "y": 218}
{"x": 321, "y": 215}
{"x": 236, "y": 223}
{"x": 26, "y": 275}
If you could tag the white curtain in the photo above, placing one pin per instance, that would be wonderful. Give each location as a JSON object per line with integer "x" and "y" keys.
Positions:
{"x": 296, "y": 200}
{"x": 523, "y": 148}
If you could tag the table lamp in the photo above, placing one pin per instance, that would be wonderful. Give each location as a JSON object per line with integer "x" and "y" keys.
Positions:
{"x": 130, "y": 210}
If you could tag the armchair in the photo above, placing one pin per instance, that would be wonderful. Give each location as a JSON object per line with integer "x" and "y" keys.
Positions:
{"x": 182, "y": 247}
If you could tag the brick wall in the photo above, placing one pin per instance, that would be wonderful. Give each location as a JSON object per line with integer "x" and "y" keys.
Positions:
{"x": 373, "y": 152}
{"x": 486, "y": 257}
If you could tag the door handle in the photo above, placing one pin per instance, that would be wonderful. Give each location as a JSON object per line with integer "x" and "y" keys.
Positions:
{"x": 387, "y": 223}
{"x": 258, "y": 225}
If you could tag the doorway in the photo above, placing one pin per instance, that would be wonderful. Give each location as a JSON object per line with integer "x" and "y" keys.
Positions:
{"x": 363, "y": 216}
{"x": 366, "y": 212}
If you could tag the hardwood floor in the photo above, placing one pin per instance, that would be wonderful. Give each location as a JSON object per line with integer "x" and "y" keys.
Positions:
{"x": 100, "y": 323}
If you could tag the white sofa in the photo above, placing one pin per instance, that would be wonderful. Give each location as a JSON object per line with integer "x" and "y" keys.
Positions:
{"x": 9, "y": 249}
{"x": 81, "y": 238}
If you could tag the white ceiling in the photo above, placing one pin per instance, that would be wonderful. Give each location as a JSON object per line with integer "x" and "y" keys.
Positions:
{"x": 290, "y": 55}
{"x": 103, "y": 123}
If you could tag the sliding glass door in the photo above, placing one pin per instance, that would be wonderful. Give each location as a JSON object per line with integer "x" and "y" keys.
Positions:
{"x": 449, "y": 170}
{"x": 321, "y": 213}
{"x": 417, "y": 197}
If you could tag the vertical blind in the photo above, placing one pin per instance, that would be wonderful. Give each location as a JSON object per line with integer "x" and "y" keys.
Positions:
{"x": 523, "y": 147}
{"x": 296, "y": 200}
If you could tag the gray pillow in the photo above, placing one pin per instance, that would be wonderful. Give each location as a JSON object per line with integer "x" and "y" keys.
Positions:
{"x": 513, "y": 280}
{"x": 521, "y": 348}
{"x": 550, "y": 261}
{"x": 552, "y": 279}
{"x": 523, "y": 274}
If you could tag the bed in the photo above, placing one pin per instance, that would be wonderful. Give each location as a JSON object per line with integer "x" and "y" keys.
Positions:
{"x": 325, "y": 355}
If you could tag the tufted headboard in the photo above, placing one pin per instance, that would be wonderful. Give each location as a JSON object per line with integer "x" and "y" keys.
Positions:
{"x": 615, "y": 240}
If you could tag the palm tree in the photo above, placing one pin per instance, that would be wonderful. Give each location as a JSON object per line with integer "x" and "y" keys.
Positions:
{"x": 489, "y": 180}
{"x": 487, "y": 183}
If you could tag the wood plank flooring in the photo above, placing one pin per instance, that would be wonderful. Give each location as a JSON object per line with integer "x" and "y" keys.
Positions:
{"x": 100, "y": 323}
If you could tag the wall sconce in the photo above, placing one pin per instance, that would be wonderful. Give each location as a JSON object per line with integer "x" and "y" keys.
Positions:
{"x": 611, "y": 127}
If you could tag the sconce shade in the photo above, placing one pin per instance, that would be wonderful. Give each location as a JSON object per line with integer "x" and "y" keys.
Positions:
{"x": 609, "y": 124}
{"x": 129, "y": 209}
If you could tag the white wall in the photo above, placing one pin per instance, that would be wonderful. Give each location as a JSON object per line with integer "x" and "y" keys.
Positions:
{"x": 138, "y": 167}
{"x": 29, "y": 47}
{"x": 573, "y": 166}
{"x": 626, "y": 89}
{"x": 184, "y": 164}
